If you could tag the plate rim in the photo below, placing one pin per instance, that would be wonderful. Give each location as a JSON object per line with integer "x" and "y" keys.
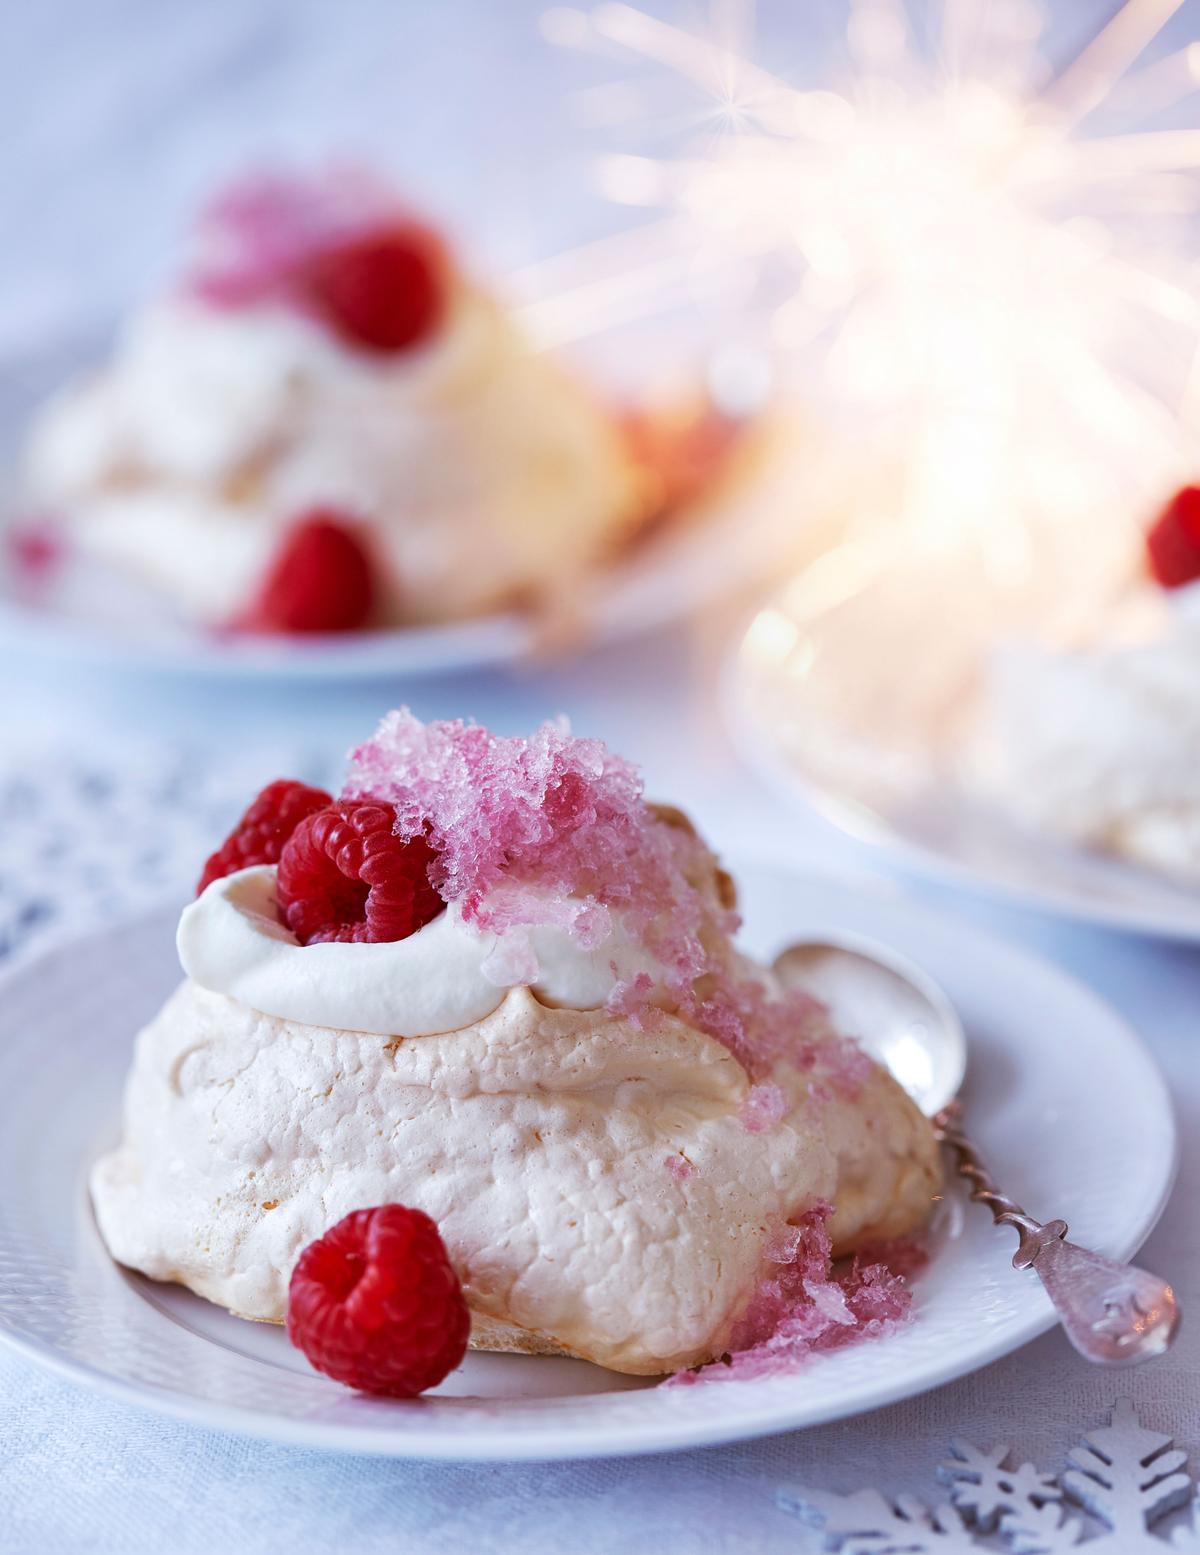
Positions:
{"x": 622, "y": 597}
{"x": 864, "y": 826}
{"x": 547, "y": 1444}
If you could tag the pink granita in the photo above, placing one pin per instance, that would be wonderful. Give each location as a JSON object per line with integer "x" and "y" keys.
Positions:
{"x": 257, "y": 235}
{"x": 555, "y": 830}
{"x": 552, "y": 829}
{"x": 763, "y": 1108}
{"x": 806, "y": 1305}
{"x": 634, "y": 1000}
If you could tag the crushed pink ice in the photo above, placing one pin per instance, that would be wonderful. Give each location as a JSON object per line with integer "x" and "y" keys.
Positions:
{"x": 763, "y": 1108}
{"x": 634, "y": 1001}
{"x": 807, "y": 1305}
{"x": 554, "y": 829}
{"x": 255, "y": 237}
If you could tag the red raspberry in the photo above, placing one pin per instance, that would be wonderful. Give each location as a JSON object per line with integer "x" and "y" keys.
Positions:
{"x": 375, "y": 1303}
{"x": 1173, "y": 543}
{"x": 318, "y": 581}
{"x": 345, "y": 875}
{"x": 259, "y": 836}
{"x": 382, "y": 291}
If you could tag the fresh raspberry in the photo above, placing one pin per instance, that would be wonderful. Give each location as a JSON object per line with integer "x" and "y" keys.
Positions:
{"x": 259, "y": 836}
{"x": 375, "y": 1303}
{"x": 319, "y": 580}
{"x": 1173, "y": 543}
{"x": 383, "y": 291}
{"x": 345, "y": 875}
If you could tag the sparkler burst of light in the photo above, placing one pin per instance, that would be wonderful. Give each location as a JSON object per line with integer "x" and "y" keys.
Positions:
{"x": 987, "y": 292}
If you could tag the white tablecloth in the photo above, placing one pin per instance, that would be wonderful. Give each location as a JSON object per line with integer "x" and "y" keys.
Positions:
{"x": 80, "y": 1473}
{"x": 121, "y": 113}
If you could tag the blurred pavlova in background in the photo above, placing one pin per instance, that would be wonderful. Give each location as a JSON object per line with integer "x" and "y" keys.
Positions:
{"x": 944, "y": 253}
{"x": 974, "y": 257}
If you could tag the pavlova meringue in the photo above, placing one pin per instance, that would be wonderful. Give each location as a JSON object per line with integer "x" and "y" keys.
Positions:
{"x": 623, "y": 1127}
{"x": 327, "y": 355}
{"x": 1098, "y": 743}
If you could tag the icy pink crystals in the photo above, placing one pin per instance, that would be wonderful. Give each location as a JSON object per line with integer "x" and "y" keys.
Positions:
{"x": 763, "y": 1108}
{"x": 341, "y": 249}
{"x": 257, "y": 236}
{"x": 552, "y": 829}
{"x": 555, "y": 829}
{"x": 806, "y": 1304}
{"x": 549, "y": 829}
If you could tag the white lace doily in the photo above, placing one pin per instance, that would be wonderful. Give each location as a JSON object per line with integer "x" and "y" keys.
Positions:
{"x": 95, "y": 835}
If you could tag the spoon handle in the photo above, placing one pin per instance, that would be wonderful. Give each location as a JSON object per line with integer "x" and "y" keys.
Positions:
{"x": 1113, "y": 1313}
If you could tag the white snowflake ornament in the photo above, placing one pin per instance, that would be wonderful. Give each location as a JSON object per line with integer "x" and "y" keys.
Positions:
{"x": 1124, "y": 1476}
{"x": 1128, "y": 1476}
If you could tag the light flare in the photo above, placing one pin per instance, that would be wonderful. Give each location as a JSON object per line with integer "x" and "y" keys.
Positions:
{"x": 979, "y": 290}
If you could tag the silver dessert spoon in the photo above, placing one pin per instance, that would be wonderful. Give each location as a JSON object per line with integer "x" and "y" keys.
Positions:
{"x": 1113, "y": 1313}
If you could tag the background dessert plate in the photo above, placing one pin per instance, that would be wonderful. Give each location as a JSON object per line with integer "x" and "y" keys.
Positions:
{"x": 934, "y": 824}
{"x": 722, "y": 544}
{"x": 946, "y": 834}
{"x": 1069, "y": 1107}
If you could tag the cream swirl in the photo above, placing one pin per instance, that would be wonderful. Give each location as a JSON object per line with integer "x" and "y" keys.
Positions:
{"x": 230, "y": 941}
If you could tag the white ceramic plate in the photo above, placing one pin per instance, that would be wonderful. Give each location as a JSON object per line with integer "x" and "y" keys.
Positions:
{"x": 723, "y": 545}
{"x": 1068, "y": 1105}
{"x": 936, "y": 828}
{"x": 946, "y": 835}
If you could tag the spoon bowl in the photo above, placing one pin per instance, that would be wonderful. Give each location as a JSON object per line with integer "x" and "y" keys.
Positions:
{"x": 893, "y": 1009}
{"x": 1114, "y": 1314}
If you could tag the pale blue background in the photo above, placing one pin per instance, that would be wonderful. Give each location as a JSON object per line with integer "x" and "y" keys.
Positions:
{"x": 115, "y": 116}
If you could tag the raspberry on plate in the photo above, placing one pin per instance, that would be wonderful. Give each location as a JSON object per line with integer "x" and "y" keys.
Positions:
{"x": 375, "y": 1303}
{"x": 259, "y": 836}
{"x": 1173, "y": 542}
{"x": 382, "y": 291}
{"x": 345, "y": 875}
{"x": 319, "y": 580}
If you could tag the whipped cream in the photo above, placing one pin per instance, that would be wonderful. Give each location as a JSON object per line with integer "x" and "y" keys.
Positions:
{"x": 479, "y": 468}
{"x": 231, "y": 942}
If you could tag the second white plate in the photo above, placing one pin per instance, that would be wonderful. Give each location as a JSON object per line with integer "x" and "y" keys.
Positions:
{"x": 721, "y": 545}
{"x": 926, "y": 820}
{"x": 1067, "y": 1104}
